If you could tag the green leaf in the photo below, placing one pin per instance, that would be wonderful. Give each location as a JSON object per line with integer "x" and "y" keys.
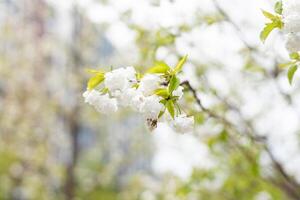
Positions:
{"x": 162, "y": 92}
{"x": 223, "y": 135}
{"x": 269, "y": 27}
{"x": 138, "y": 76}
{"x": 180, "y": 64}
{"x": 170, "y": 107}
{"x": 178, "y": 109}
{"x": 278, "y": 7}
{"x": 269, "y": 15}
{"x": 160, "y": 67}
{"x": 161, "y": 113}
{"x": 285, "y": 65}
{"x": 95, "y": 81}
{"x": 93, "y": 71}
{"x": 135, "y": 85}
{"x": 104, "y": 90}
{"x": 199, "y": 118}
{"x": 295, "y": 56}
{"x": 276, "y": 22}
{"x": 163, "y": 101}
{"x": 291, "y": 73}
{"x": 174, "y": 83}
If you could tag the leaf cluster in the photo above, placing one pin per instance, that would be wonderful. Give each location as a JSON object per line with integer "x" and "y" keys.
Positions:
{"x": 275, "y": 21}
{"x": 172, "y": 82}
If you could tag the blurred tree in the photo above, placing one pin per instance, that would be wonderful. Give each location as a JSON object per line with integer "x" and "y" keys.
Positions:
{"x": 54, "y": 147}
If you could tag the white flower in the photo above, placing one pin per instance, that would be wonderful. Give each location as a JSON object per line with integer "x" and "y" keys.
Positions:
{"x": 178, "y": 92}
{"x": 102, "y": 103}
{"x": 106, "y": 105}
{"x": 292, "y": 23}
{"x": 151, "y": 107}
{"x": 291, "y": 19}
{"x": 91, "y": 97}
{"x": 149, "y": 83}
{"x": 183, "y": 124}
{"x": 138, "y": 101}
{"x": 131, "y": 97}
{"x": 120, "y": 79}
{"x": 290, "y": 7}
{"x": 293, "y": 42}
{"x": 130, "y": 73}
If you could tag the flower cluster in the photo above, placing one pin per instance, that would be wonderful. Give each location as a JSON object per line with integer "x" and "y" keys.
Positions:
{"x": 291, "y": 19}
{"x": 152, "y": 94}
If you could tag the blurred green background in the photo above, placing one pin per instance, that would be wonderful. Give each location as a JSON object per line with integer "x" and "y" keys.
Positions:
{"x": 53, "y": 146}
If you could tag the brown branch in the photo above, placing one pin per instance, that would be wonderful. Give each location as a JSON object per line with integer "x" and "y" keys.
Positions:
{"x": 272, "y": 75}
{"x": 289, "y": 183}
{"x": 234, "y": 25}
{"x": 214, "y": 115}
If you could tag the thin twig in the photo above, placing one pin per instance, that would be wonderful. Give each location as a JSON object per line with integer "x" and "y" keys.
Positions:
{"x": 287, "y": 97}
{"x": 272, "y": 75}
{"x": 290, "y": 183}
{"x": 235, "y": 26}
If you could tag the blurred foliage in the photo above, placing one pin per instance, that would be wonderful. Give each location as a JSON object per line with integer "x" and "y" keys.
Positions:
{"x": 54, "y": 147}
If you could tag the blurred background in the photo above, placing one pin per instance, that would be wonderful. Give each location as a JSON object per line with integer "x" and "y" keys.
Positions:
{"x": 53, "y": 146}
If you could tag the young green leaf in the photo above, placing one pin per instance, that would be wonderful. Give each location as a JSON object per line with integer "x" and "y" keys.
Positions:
{"x": 276, "y": 22}
{"x": 285, "y": 65}
{"x": 162, "y": 92}
{"x": 178, "y": 109}
{"x": 170, "y": 108}
{"x": 161, "y": 113}
{"x": 138, "y": 76}
{"x": 160, "y": 67}
{"x": 180, "y": 64}
{"x": 295, "y": 56}
{"x": 104, "y": 90}
{"x": 269, "y": 15}
{"x": 94, "y": 71}
{"x": 163, "y": 101}
{"x": 95, "y": 81}
{"x": 174, "y": 83}
{"x": 291, "y": 73}
{"x": 278, "y": 7}
{"x": 269, "y": 27}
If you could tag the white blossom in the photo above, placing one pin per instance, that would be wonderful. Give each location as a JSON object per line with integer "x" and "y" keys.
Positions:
{"x": 149, "y": 83}
{"x": 121, "y": 92}
{"x": 183, "y": 124}
{"x": 291, "y": 19}
{"x": 130, "y": 74}
{"x": 106, "y": 105}
{"x": 120, "y": 79}
{"x": 102, "y": 103}
{"x": 290, "y": 7}
{"x": 292, "y": 23}
{"x": 91, "y": 97}
{"x": 138, "y": 101}
{"x": 178, "y": 92}
{"x": 131, "y": 97}
{"x": 151, "y": 107}
{"x": 293, "y": 42}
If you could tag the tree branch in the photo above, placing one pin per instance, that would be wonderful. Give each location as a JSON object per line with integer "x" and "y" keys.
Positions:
{"x": 235, "y": 26}
{"x": 272, "y": 75}
{"x": 289, "y": 182}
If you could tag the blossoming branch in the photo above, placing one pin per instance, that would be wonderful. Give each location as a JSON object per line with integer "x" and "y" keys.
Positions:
{"x": 154, "y": 94}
